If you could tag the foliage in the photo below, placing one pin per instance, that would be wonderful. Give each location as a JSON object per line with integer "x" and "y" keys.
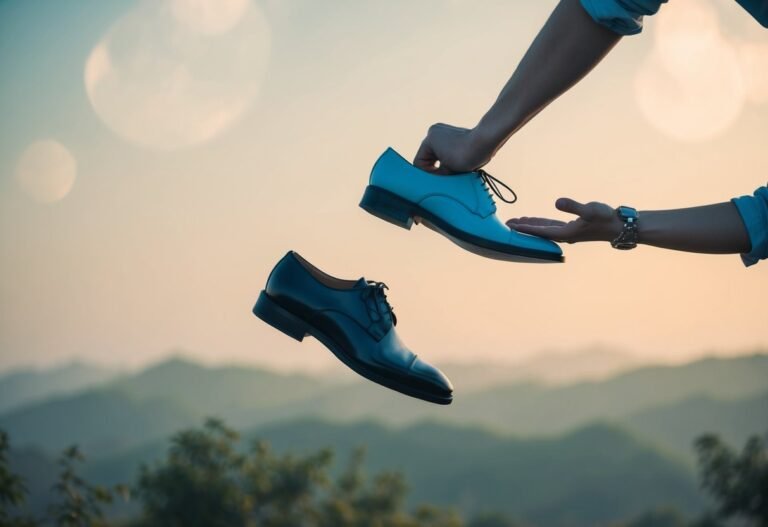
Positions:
{"x": 738, "y": 482}
{"x": 11, "y": 487}
{"x": 12, "y": 490}
{"x": 79, "y": 503}
{"x": 198, "y": 484}
{"x": 205, "y": 481}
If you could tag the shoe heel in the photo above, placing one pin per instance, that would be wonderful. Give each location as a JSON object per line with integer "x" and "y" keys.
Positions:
{"x": 387, "y": 206}
{"x": 279, "y": 318}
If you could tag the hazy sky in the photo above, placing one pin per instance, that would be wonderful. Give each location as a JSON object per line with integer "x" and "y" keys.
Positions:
{"x": 157, "y": 158}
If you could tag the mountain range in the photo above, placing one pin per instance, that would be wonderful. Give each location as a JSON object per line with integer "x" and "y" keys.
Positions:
{"x": 23, "y": 386}
{"x": 557, "y": 454}
{"x": 668, "y": 405}
{"x": 26, "y": 386}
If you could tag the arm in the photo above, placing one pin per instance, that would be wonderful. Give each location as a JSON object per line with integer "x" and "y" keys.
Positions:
{"x": 713, "y": 229}
{"x": 569, "y": 45}
{"x": 566, "y": 49}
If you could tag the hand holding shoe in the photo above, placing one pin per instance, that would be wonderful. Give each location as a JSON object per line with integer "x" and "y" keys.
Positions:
{"x": 456, "y": 149}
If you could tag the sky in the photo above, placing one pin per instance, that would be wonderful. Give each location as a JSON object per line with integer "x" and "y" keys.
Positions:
{"x": 158, "y": 157}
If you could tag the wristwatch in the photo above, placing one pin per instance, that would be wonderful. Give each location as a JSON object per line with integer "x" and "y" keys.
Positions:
{"x": 627, "y": 239}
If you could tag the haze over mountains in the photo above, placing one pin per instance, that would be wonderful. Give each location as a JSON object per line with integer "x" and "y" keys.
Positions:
{"x": 23, "y": 386}
{"x": 26, "y": 385}
{"x": 526, "y": 447}
{"x": 669, "y": 404}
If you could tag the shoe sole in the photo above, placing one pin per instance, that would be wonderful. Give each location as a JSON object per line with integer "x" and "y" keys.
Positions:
{"x": 398, "y": 211}
{"x": 268, "y": 310}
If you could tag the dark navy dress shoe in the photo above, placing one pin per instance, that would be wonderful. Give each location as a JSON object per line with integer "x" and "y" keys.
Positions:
{"x": 460, "y": 207}
{"x": 353, "y": 319}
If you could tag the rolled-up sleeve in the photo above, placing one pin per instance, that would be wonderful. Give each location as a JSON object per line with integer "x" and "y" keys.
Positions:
{"x": 624, "y": 17}
{"x": 754, "y": 213}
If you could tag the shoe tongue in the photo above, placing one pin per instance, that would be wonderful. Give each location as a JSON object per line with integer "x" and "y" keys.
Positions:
{"x": 361, "y": 283}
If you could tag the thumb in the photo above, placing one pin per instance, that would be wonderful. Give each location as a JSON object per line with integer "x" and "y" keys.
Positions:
{"x": 571, "y": 206}
{"x": 425, "y": 157}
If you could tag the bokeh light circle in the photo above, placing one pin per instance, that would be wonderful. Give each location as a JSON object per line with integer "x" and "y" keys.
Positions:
{"x": 209, "y": 16}
{"x": 174, "y": 73}
{"x": 753, "y": 58}
{"x": 691, "y": 86}
{"x": 46, "y": 171}
{"x": 684, "y": 32}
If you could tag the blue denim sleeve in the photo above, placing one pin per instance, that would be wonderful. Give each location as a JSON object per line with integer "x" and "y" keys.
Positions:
{"x": 754, "y": 212}
{"x": 624, "y": 17}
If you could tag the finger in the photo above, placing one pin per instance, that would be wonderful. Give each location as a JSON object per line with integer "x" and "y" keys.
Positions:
{"x": 535, "y": 221}
{"x": 550, "y": 232}
{"x": 559, "y": 233}
{"x": 425, "y": 157}
{"x": 571, "y": 206}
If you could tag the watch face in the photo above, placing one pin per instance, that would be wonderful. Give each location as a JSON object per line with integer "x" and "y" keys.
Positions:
{"x": 627, "y": 212}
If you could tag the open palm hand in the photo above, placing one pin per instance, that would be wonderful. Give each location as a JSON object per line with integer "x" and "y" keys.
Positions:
{"x": 595, "y": 222}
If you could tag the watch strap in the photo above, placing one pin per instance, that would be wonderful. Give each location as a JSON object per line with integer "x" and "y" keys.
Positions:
{"x": 627, "y": 238}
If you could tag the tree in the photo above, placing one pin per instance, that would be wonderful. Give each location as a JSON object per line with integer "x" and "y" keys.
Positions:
{"x": 199, "y": 484}
{"x": 205, "y": 481}
{"x": 738, "y": 482}
{"x": 283, "y": 489}
{"x": 355, "y": 501}
{"x": 79, "y": 502}
{"x": 12, "y": 489}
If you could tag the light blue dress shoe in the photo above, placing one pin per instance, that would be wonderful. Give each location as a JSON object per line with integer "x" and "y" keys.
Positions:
{"x": 460, "y": 207}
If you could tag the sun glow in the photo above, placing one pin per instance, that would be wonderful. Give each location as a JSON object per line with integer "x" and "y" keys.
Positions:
{"x": 692, "y": 85}
{"x": 169, "y": 76}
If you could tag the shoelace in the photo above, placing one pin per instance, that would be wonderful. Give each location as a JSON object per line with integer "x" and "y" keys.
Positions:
{"x": 490, "y": 183}
{"x": 378, "y": 306}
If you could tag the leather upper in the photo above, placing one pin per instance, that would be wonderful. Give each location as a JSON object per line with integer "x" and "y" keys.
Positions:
{"x": 460, "y": 200}
{"x": 293, "y": 287}
{"x": 357, "y": 318}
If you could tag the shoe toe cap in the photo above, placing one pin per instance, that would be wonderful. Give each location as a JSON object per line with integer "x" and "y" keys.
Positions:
{"x": 432, "y": 376}
{"x": 534, "y": 243}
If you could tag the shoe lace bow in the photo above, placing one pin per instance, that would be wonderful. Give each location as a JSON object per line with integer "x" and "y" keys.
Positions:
{"x": 491, "y": 184}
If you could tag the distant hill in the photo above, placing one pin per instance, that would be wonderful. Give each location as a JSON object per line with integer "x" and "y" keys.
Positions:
{"x": 243, "y": 396}
{"x": 593, "y": 476}
{"x": 135, "y": 409}
{"x": 674, "y": 427}
{"x": 548, "y": 368}
{"x": 149, "y": 405}
{"x": 535, "y": 409}
{"x": 99, "y": 421}
{"x": 26, "y": 386}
